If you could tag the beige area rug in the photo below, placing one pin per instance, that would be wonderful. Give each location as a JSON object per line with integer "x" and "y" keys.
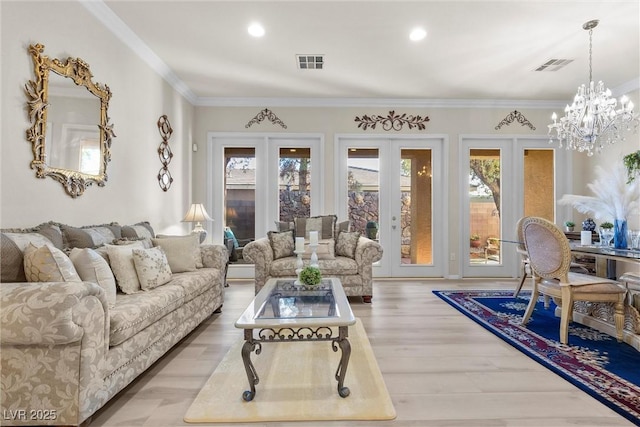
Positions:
{"x": 297, "y": 382}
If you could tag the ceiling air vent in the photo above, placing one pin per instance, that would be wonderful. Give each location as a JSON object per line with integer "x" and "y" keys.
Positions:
{"x": 310, "y": 62}
{"x": 554, "y": 64}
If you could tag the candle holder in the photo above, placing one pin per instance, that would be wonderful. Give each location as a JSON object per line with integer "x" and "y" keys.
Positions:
{"x": 314, "y": 256}
{"x": 299, "y": 266}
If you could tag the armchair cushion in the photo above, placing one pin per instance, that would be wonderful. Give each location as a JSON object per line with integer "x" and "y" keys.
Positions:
{"x": 282, "y": 243}
{"x": 346, "y": 244}
{"x": 324, "y": 225}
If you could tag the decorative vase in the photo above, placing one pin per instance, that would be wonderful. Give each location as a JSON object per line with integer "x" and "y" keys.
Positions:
{"x": 620, "y": 234}
{"x": 588, "y": 224}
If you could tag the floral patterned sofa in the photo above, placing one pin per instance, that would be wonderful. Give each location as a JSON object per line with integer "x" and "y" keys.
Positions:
{"x": 344, "y": 254}
{"x": 70, "y": 338}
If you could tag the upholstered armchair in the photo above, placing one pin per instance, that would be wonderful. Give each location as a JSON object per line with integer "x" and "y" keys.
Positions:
{"x": 345, "y": 255}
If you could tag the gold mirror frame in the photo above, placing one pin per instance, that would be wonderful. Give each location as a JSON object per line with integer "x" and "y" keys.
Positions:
{"x": 37, "y": 91}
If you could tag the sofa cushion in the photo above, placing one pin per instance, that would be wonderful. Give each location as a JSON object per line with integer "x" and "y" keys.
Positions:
{"x": 152, "y": 267}
{"x": 346, "y": 243}
{"x": 92, "y": 267}
{"x": 134, "y": 312}
{"x": 138, "y": 230}
{"x": 12, "y": 247}
{"x": 121, "y": 261}
{"x": 195, "y": 283}
{"x": 90, "y": 236}
{"x": 183, "y": 252}
{"x": 282, "y": 243}
{"x": 48, "y": 264}
{"x": 324, "y": 224}
{"x": 286, "y": 267}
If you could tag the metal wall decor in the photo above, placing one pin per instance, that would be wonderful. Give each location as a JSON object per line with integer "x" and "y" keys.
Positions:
{"x": 266, "y": 114}
{"x": 164, "y": 152}
{"x": 392, "y": 122}
{"x": 517, "y": 116}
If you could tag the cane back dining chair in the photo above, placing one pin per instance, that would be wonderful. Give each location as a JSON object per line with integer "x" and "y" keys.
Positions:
{"x": 521, "y": 250}
{"x": 550, "y": 261}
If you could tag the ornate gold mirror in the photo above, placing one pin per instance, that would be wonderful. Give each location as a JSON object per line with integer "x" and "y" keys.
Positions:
{"x": 70, "y": 132}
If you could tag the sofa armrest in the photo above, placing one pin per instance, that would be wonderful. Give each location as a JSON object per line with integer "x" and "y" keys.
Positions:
{"x": 46, "y": 313}
{"x": 260, "y": 253}
{"x": 214, "y": 256}
{"x": 368, "y": 251}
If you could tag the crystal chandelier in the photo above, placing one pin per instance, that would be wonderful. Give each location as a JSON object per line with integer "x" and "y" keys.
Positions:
{"x": 592, "y": 119}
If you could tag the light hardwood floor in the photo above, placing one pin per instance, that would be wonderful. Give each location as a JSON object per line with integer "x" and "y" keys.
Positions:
{"x": 441, "y": 368}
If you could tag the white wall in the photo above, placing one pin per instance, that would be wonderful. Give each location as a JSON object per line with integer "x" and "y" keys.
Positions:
{"x": 140, "y": 97}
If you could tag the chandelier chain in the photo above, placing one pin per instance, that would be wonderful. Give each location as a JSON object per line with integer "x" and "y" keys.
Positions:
{"x": 590, "y": 55}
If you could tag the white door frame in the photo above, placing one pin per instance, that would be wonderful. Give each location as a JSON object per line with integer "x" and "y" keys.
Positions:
{"x": 389, "y": 148}
{"x": 267, "y": 148}
{"x": 512, "y": 149}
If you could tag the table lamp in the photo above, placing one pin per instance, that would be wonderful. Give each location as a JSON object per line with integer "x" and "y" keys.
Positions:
{"x": 197, "y": 214}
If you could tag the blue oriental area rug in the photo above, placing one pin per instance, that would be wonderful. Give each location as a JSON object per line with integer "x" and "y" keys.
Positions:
{"x": 593, "y": 361}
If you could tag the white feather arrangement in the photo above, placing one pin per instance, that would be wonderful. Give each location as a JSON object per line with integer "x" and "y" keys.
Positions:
{"x": 614, "y": 198}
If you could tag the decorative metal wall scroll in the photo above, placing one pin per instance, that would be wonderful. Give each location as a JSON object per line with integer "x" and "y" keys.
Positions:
{"x": 266, "y": 114}
{"x": 392, "y": 122}
{"x": 515, "y": 116}
{"x": 164, "y": 152}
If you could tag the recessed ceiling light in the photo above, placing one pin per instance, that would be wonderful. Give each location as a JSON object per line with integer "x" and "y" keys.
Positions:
{"x": 256, "y": 30}
{"x": 417, "y": 34}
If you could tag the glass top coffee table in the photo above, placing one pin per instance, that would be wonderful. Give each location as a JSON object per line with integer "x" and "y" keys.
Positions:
{"x": 285, "y": 312}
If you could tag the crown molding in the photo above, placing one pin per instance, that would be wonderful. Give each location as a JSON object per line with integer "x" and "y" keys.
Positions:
{"x": 109, "y": 19}
{"x": 377, "y": 102}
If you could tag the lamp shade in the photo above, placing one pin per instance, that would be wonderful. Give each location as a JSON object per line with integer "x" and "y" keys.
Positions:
{"x": 196, "y": 213}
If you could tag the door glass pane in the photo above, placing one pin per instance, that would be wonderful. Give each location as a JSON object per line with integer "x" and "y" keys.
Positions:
{"x": 484, "y": 207}
{"x": 363, "y": 190}
{"x": 416, "y": 220}
{"x": 294, "y": 183}
{"x": 239, "y": 197}
{"x": 539, "y": 178}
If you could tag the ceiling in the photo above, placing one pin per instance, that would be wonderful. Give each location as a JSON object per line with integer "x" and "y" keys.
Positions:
{"x": 480, "y": 51}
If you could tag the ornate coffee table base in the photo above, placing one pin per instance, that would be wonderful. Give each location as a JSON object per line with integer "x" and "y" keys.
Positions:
{"x": 271, "y": 335}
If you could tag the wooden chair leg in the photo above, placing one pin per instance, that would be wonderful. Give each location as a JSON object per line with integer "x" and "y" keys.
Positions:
{"x": 532, "y": 301}
{"x": 566, "y": 314}
{"x": 524, "y": 277}
{"x": 618, "y": 317}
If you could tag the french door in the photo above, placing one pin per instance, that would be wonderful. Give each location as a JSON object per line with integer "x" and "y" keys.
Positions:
{"x": 254, "y": 180}
{"x": 503, "y": 179}
{"x": 392, "y": 190}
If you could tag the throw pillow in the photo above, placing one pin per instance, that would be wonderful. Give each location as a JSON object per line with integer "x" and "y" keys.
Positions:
{"x": 342, "y": 226}
{"x": 346, "y": 244}
{"x": 12, "y": 246}
{"x": 284, "y": 225}
{"x": 152, "y": 267}
{"x": 140, "y": 229}
{"x": 282, "y": 244}
{"x": 324, "y": 224}
{"x": 48, "y": 264}
{"x": 88, "y": 237}
{"x": 325, "y": 250}
{"x": 183, "y": 252}
{"x": 92, "y": 267}
{"x": 121, "y": 260}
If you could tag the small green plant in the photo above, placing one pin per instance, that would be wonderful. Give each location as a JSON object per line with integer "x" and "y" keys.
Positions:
{"x": 474, "y": 237}
{"x": 569, "y": 224}
{"x": 632, "y": 164}
{"x": 310, "y": 276}
{"x": 606, "y": 225}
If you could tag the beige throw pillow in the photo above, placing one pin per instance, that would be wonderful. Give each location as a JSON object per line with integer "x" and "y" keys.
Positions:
{"x": 182, "y": 251}
{"x": 325, "y": 249}
{"x": 282, "y": 244}
{"x": 152, "y": 267}
{"x": 92, "y": 267}
{"x": 48, "y": 264}
{"x": 121, "y": 260}
{"x": 346, "y": 244}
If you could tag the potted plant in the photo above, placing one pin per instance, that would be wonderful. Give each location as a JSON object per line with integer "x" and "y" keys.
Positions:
{"x": 606, "y": 225}
{"x": 310, "y": 276}
{"x": 568, "y": 225}
{"x": 372, "y": 229}
{"x": 632, "y": 164}
{"x": 474, "y": 241}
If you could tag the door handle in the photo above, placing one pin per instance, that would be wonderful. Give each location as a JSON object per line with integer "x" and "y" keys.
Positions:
{"x": 393, "y": 227}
